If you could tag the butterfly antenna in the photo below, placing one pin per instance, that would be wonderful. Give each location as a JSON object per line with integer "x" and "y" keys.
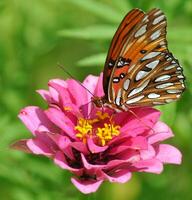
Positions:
{"x": 69, "y": 74}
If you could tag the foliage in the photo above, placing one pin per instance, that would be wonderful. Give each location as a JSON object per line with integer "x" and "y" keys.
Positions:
{"x": 35, "y": 36}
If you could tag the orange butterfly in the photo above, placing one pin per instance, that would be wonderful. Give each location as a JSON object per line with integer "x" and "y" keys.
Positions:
{"x": 139, "y": 69}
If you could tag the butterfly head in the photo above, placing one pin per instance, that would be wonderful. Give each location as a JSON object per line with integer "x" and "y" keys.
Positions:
{"x": 99, "y": 101}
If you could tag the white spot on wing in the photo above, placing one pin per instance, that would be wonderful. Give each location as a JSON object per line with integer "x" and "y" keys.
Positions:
{"x": 150, "y": 55}
{"x": 153, "y": 64}
{"x": 118, "y": 98}
{"x": 134, "y": 99}
{"x": 170, "y": 100}
{"x": 162, "y": 43}
{"x": 126, "y": 84}
{"x": 164, "y": 85}
{"x": 181, "y": 81}
{"x": 139, "y": 89}
{"x": 115, "y": 80}
{"x": 153, "y": 96}
{"x": 157, "y": 13}
{"x": 169, "y": 67}
{"x": 145, "y": 19}
{"x": 140, "y": 75}
{"x": 180, "y": 76}
{"x": 163, "y": 78}
{"x": 178, "y": 95}
{"x": 110, "y": 64}
{"x": 141, "y": 31}
{"x": 120, "y": 63}
{"x": 173, "y": 91}
{"x": 169, "y": 58}
{"x": 155, "y": 35}
{"x": 158, "y": 19}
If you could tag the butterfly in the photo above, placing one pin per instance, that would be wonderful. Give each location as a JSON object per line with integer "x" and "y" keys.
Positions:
{"x": 139, "y": 69}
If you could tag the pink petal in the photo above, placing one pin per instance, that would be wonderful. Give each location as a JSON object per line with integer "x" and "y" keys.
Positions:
{"x": 111, "y": 165}
{"x": 59, "y": 82}
{"x": 88, "y": 165}
{"x": 138, "y": 143}
{"x": 60, "y": 120}
{"x": 63, "y": 95}
{"x": 90, "y": 83}
{"x": 62, "y": 141}
{"x": 46, "y": 95}
{"x": 120, "y": 176}
{"x": 38, "y": 147}
{"x": 125, "y": 146}
{"x": 61, "y": 161}
{"x": 152, "y": 166}
{"x": 95, "y": 148}
{"x": 78, "y": 92}
{"x": 86, "y": 186}
{"x": 99, "y": 87}
{"x": 130, "y": 156}
{"x": 53, "y": 92}
{"x": 33, "y": 117}
{"x": 169, "y": 154}
{"x": 159, "y": 133}
{"x": 134, "y": 125}
{"x": 148, "y": 153}
{"x": 81, "y": 147}
{"x": 117, "y": 149}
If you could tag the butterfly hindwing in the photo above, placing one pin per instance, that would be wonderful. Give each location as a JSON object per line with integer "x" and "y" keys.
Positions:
{"x": 162, "y": 85}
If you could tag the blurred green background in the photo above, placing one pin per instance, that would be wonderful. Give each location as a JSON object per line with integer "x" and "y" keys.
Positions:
{"x": 34, "y": 37}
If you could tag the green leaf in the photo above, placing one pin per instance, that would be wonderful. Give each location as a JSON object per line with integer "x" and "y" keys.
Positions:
{"x": 123, "y": 5}
{"x": 103, "y": 32}
{"x": 168, "y": 113}
{"x": 180, "y": 34}
{"x": 94, "y": 60}
{"x": 99, "y": 9}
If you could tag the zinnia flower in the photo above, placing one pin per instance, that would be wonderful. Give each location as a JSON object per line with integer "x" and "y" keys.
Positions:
{"x": 94, "y": 144}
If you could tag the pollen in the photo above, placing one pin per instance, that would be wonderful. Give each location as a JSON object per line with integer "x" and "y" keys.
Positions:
{"x": 102, "y": 115}
{"x": 84, "y": 129}
{"x": 67, "y": 108}
{"x": 101, "y": 129}
{"x": 107, "y": 133}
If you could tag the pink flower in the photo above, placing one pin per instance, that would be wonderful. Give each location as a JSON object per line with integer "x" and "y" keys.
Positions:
{"x": 95, "y": 145}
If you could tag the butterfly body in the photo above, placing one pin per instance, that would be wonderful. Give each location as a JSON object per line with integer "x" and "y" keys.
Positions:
{"x": 139, "y": 69}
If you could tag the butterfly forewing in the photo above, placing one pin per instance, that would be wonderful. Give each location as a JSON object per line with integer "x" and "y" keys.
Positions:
{"x": 143, "y": 72}
{"x": 122, "y": 34}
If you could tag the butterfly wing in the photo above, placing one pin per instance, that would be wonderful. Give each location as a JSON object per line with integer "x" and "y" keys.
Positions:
{"x": 122, "y": 34}
{"x": 144, "y": 72}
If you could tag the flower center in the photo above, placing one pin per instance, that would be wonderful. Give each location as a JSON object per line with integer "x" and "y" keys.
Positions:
{"x": 101, "y": 129}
